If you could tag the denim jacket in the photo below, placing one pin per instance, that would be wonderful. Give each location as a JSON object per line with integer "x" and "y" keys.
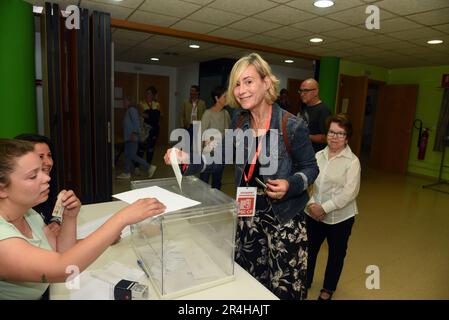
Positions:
{"x": 299, "y": 168}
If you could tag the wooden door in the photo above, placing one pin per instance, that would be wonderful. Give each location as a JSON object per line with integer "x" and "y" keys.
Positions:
{"x": 293, "y": 95}
{"x": 351, "y": 100}
{"x": 162, "y": 85}
{"x": 393, "y": 125}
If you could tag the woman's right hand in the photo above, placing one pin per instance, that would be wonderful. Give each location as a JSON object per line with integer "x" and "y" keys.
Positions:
{"x": 316, "y": 211}
{"x": 182, "y": 156}
{"x": 140, "y": 210}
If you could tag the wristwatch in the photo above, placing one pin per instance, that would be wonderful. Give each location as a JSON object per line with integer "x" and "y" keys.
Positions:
{"x": 56, "y": 219}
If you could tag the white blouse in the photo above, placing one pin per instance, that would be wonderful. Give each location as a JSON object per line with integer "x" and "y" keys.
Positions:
{"x": 337, "y": 185}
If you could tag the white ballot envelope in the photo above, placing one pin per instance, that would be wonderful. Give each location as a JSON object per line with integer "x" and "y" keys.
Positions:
{"x": 175, "y": 167}
{"x": 171, "y": 200}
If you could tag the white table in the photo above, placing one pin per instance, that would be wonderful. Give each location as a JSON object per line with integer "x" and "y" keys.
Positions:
{"x": 243, "y": 287}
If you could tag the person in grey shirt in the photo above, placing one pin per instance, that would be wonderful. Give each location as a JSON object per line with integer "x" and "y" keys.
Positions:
{"x": 216, "y": 117}
{"x": 131, "y": 136}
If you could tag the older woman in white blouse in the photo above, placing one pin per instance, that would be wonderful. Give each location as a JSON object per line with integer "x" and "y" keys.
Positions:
{"x": 332, "y": 207}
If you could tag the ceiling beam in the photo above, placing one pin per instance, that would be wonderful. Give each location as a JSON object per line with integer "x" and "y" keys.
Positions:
{"x": 142, "y": 27}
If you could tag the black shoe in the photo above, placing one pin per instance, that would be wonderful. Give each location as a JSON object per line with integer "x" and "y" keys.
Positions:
{"x": 327, "y": 293}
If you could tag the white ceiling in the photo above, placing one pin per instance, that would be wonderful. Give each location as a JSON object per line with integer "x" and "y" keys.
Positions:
{"x": 405, "y": 27}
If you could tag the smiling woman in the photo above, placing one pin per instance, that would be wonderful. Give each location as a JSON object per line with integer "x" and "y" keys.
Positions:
{"x": 272, "y": 244}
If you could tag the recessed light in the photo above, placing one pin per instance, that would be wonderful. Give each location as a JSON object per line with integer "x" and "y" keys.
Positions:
{"x": 435, "y": 41}
{"x": 289, "y": 61}
{"x": 194, "y": 46}
{"x": 323, "y": 3}
{"x": 154, "y": 59}
{"x": 38, "y": 9}
{"x": 316, "y": 40}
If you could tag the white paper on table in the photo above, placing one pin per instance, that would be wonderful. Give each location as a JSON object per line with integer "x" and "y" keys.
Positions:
{"x": 87, "y": 228}
{"x": 114, "y": 271}
{"x": 175, "y": 167}
{"x": 171, "y": 200}
{"x": 91, "y": 288}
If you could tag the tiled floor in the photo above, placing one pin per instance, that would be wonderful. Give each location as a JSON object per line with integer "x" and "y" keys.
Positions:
{"x": 402, "y": 229}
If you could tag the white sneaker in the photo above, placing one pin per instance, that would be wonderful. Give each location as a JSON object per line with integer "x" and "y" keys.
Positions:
{"x": 151, "y": 171}
{"x": 124, "y": 176}
{"x": 137, "y": 171}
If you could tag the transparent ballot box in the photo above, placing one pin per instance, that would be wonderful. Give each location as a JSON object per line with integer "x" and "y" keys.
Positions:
{"x": 189, "y": 249}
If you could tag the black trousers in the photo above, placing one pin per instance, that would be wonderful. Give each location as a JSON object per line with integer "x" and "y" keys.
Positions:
{"x": 337, "y": 236}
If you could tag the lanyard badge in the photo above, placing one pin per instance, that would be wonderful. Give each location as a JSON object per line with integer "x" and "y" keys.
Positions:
{"x": 246, "y": 196}
{"x": 246, "y": 201}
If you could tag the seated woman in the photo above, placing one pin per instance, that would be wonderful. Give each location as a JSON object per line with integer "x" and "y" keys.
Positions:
{"x": 43, "y": 147}
{"x": 31, "y": 258}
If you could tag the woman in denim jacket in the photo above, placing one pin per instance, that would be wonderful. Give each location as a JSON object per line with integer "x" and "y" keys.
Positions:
{"x": 271, "y": 245}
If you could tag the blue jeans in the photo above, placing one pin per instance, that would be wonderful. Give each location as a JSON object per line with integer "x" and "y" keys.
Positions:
{"x": 217, "y": 174}
{"x": 131, "y": 155}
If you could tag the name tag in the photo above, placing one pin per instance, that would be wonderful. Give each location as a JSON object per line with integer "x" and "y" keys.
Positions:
{"x": 246, "y": 201}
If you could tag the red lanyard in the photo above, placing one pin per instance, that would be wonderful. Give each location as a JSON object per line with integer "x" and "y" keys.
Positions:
{"x": 256, "y": 155}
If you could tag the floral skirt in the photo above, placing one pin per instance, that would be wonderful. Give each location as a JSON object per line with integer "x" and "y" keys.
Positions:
{"x": 274, "y": 254}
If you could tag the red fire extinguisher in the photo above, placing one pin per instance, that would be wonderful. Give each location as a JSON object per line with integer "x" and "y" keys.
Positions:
{"x": 423, "y": 144}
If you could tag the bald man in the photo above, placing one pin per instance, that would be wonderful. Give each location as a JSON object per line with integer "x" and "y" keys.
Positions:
{"x": 315, "y": 113}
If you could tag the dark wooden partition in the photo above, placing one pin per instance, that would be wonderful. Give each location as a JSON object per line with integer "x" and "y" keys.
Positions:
{"x": 77, "y": 84}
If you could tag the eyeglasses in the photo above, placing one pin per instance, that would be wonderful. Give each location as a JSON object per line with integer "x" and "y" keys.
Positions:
{"x": 340, "y": 135}
{"x": 305, "y": 90}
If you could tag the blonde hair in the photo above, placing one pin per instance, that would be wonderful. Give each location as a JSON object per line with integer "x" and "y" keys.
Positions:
{"x": 263, "y": 69}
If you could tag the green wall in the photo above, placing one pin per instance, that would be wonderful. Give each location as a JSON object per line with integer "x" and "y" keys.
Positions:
{"x": 358, "y": 69}
{"x": 428, "y": 110}
{"x": 17, "y": 69}
{"x": 328, "y": 79}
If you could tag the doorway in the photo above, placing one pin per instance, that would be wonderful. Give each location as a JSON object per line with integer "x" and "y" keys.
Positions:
{"x": 368, "y": 122}
{"x": 392, "y": 131}
{"x": 134, "y": 85}
{"x": 293, "y": 95}
{"x": 384, "y": 143}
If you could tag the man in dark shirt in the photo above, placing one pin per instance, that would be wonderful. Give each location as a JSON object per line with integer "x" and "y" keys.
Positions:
{"x": 315, "y": 113}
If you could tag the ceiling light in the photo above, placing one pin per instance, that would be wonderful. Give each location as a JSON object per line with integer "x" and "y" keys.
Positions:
{"x": 289, "y": 61}
{"x": 323, "y": 3}
{"x": 435, "y": 41}
{"x": 194, "y": 46}
{"x": 38, "y": 9}
{"x": 154, "y": 59}
{"x": 316, "y": 40}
